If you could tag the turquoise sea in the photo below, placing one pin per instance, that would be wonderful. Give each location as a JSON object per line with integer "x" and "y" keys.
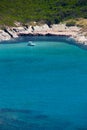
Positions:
{"x": 43, "y": 87}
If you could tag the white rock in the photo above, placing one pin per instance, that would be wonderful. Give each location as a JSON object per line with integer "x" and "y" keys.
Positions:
{"x": 59, "y": 27}
{"x": 43, "y": 28}
{"x": 4, "y": 36}
{"x": 12, "y": 33}
{"x": 30, "y": 29}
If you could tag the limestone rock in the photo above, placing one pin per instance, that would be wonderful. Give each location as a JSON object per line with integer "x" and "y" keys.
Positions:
{"x": 42, "y": 28}
{"x": 4, "y": 36}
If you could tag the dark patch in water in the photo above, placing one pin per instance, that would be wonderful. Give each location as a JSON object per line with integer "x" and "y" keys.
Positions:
{"x": 14, "y": 119}
{"x": 15, "y": 110}
{"x": 35, "y": 38}
{"x": 41, "y": 117}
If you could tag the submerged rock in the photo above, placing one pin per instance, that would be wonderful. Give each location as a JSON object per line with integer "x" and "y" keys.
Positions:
{"x": 13, "y": 119}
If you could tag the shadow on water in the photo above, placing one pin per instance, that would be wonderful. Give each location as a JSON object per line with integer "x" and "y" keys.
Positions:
{"x": 48, "y": 38}
{"x": 14, "y": 119}
{"x": 35, "y": 38}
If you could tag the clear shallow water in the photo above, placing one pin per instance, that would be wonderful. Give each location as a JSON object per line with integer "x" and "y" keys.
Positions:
{"x": 43, "y": 87}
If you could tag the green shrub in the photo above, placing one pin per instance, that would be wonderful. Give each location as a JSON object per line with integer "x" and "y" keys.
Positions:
{"x": 52, "y": 11}
{"x": 71, "y": 23}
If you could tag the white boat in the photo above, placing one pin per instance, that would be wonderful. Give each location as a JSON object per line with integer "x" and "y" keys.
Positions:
{"x": 30, "y": 43}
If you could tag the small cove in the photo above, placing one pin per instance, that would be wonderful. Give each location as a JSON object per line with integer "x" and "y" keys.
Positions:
{"x": 43, "y": 87}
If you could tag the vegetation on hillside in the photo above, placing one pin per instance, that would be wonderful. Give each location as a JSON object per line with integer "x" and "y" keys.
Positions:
{"x": 49, "y": 11}
{"x": 80, "y": 22}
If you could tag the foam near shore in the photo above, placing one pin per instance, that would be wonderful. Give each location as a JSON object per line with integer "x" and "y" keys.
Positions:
{"x": 56, "y": 29}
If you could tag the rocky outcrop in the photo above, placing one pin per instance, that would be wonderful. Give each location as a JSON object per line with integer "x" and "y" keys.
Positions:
{"x": 4, "y": 36}
{"x": 43, "y": 28}
{"x": 81, "y": 39}
{"x": 11, "y": 32}
{"x": 55, "y": 29}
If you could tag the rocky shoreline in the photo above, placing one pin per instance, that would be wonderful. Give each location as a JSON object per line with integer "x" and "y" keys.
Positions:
{"x": 73, "y": 32}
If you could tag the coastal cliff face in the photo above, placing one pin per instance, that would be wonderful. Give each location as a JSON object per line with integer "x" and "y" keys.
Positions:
{"x": 56, "y": 29}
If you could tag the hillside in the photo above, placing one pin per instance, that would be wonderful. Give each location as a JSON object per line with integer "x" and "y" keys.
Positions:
{"x": 50, "y": 11}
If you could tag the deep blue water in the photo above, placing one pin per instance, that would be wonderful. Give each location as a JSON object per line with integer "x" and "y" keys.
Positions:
{"x": 43, "y": 87}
